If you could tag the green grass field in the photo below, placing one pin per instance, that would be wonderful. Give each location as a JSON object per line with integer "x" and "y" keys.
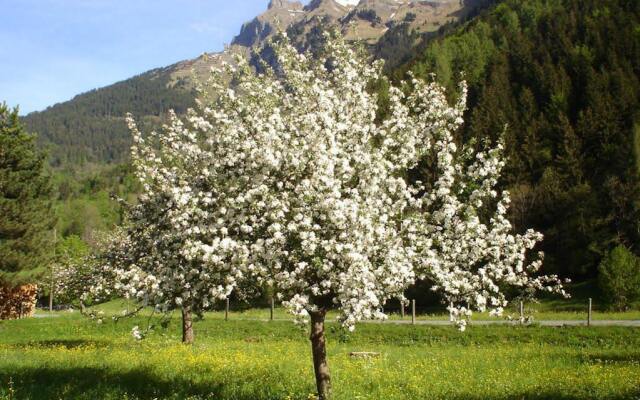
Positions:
{"x": 70, "y": 357}
{"x": 553, "y": 308}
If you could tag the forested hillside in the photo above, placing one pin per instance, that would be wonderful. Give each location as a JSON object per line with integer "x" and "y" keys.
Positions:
{"x": 564, "y": 76}
{"x": 85, "y": 201}
{"x": 91, "y": 128}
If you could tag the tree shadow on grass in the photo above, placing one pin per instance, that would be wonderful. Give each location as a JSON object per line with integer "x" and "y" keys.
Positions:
{"x": 612, "y": 358}
{"x": 550, "y": 395}
{"x": 66, "y": 343}
{"x": 42, "y": 383}
{"x": 94, "y": 383}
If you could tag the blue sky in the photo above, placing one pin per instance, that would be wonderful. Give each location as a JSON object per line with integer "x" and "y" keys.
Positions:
{"x": 51, "y": 50}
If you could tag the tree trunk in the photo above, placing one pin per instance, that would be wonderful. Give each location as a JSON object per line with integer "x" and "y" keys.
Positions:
{"x": 53, "y": 284}
{"x": 187, "y": 326}
{"x": 319, "y": 350}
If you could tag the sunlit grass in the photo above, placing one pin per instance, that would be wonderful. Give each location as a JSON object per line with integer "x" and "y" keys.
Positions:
{"x": 70, "y": 357}
{"x": 541, "y": 311}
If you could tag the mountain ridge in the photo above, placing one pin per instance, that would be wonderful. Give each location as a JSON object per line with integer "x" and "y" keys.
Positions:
{"x": 90, "y": 127}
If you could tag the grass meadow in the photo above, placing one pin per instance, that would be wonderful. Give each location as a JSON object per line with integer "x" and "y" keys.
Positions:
{"x": 70, "y": 357}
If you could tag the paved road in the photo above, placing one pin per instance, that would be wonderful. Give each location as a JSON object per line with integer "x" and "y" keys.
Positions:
{"x": 629, "y": 323}
{"x": 635, "y": 323}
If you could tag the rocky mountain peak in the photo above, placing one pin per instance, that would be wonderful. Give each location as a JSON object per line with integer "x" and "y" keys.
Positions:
{"x": 284, "y": 4}
{"x": 329, "y": 6}
{"x": 279, "y": 15}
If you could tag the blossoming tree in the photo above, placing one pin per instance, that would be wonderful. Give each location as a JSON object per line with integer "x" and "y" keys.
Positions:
{"x": 68, "y": 279}
{"x": 326, "y": 202}
{"x": 290, "y": 178}
{"x": 85, "y": 276}
{"x": 177, "y": 252}
{"x": 331, "y": 216}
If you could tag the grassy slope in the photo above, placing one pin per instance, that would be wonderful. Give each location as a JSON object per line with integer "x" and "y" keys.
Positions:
{"x": 72, "y": 358}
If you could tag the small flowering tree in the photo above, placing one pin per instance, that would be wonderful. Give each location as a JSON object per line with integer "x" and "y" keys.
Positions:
{"x": 68, "y": 279}
{"x": 177, "y": 252}
{"x": 83, "y": 274}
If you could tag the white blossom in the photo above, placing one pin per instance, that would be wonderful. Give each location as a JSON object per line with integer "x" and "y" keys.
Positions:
{"x": 136, "y": 333}
{"x": 289, "y": 178}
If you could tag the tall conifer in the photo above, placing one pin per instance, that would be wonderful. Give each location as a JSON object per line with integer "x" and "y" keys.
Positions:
{"x": 26, "y": 217}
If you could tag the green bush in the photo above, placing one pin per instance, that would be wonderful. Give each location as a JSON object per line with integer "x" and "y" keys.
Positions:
{"x": 619, "y": 277}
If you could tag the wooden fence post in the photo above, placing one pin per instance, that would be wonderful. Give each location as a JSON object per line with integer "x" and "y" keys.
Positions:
{"x": 53, "y": 283}
{"x": 413, "y": 312}
{"x": 272, "y": 307}
{"x": 521, "y": 310}
{"x": 590, "y": 315}
{"x": 226, "y": 310}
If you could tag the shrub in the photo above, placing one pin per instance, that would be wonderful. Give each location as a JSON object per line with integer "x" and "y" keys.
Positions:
{"x": 410, "y": 17}
{"x": 619, "y": 277}
{"x": 369, "y": 15}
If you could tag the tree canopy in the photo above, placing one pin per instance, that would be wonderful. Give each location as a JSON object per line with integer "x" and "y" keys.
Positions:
{"x": 26, "y": 218}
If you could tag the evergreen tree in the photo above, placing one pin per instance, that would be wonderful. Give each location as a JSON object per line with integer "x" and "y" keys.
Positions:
{"x": 26, "y": 217}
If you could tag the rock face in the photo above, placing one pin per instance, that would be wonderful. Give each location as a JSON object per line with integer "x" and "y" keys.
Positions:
{"x": 284, "y": 5}
{"x": 369, "y": 21}
{"x": 279, "y": 15}
{"x": 326, "y": 7}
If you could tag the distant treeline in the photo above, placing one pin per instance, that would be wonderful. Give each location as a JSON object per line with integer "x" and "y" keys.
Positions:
{"x": 91, "y": 127}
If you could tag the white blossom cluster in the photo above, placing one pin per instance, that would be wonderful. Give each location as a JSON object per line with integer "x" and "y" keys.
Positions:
{"x": 289, "y": 179}
{"x": 177, "y": 252}
{"x": 137, "y": 333}
{"x": 462, "y": 238}
{"x": 89, "y": 278}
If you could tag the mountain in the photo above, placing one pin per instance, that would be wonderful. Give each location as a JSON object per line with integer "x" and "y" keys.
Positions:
{"x": 90, "y": 127}
{"x": 370, "y": 19}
